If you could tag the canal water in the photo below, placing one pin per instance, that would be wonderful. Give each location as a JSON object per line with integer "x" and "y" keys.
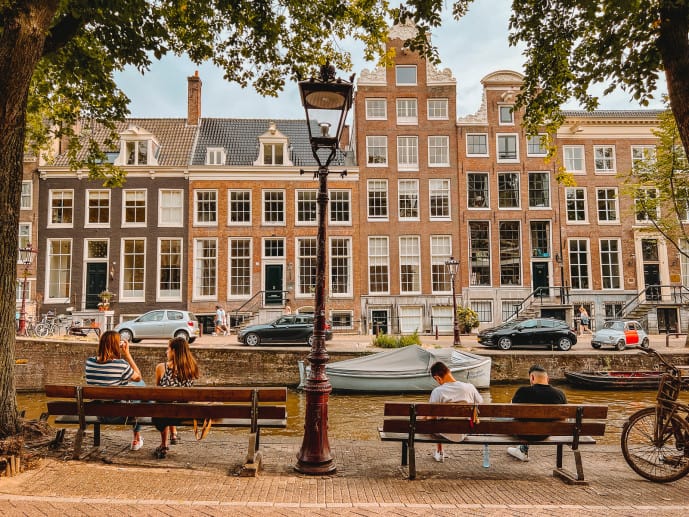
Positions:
{"x": 357, "y": 417}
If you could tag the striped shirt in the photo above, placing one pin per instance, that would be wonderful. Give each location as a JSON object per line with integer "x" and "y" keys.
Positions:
{"x": 113, "y": 373}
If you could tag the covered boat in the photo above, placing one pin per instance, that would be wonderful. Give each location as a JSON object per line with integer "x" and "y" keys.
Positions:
{"x": 621, "y": 380}
{"x": 404, "y": 370}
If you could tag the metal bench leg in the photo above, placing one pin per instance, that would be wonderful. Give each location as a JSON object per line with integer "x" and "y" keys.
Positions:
{"x": 77, "y": 443}
{"x": 254, "y": 458}
{"x": 559, "y": 456}
{"x": 567, "y": 476}
{"x": 412, "y": 460}
{"x": 405, "y": 452}
{"x": 96, "y": 434}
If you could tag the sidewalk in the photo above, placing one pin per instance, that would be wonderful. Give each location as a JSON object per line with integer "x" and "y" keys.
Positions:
{"x": 194, "y": 479}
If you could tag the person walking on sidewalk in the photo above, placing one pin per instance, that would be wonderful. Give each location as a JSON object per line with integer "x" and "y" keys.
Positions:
{"x": 220, "y": 321}
{"x": 451, "y": 390}
{"x": 585, "y": 320}
{"x": 539, "y": 392}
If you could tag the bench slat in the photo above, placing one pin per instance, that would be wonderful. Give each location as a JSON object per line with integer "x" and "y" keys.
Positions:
{"x": 195, "y": 394}
{"x": 222, "y": 422}
{"x": 545, "y": 411}
{"x": 486, "y": 439}
{"x": 515, "y": 427}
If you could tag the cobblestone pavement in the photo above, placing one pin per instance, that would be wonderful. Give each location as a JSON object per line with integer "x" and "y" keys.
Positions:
{"x": 200, "y": 478}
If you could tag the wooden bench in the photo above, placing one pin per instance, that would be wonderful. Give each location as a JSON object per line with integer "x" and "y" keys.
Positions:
{"x": 253, "y": 408}
{"x": 499, "y": 424}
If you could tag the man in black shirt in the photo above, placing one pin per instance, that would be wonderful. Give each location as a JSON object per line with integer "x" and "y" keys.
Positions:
{"x": 540, "y": 392}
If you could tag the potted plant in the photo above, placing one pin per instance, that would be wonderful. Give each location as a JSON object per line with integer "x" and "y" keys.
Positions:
{"x": 104, "y": 297}
{"x": 467, "y": 319}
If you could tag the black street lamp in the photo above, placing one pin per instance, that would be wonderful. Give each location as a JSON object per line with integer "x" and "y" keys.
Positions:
{"x": 25, "y": 257}
{"x": 326, "y": 101}
{"x": 452, "y": 266}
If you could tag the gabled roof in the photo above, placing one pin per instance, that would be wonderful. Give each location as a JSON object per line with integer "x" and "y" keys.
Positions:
{"x": 648, "y": 114}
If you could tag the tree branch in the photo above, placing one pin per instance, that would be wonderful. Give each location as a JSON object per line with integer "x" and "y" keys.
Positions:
{"x": 62, "y": 32}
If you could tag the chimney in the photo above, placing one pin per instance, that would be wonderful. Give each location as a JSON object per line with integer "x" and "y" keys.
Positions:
{"x": 194, "y": 99}
{"x": 344, "y": 138}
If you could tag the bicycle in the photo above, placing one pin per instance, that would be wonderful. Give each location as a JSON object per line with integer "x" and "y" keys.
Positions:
{"x": 655, "y": 440}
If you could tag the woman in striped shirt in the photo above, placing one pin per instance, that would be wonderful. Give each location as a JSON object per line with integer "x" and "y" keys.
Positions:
{"x": 114, "y": 366}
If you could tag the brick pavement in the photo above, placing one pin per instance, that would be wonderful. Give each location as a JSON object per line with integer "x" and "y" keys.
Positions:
{"x": 200, "y": 478}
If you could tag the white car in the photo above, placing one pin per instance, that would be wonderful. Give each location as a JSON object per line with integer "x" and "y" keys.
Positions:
{"x": 160, "y": 324}
{"x": 620, "y": 334}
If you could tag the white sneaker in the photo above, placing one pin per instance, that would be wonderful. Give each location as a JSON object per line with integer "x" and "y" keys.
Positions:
{"x": 516, "y": 452}
{"x": 136, "y": 446}
{"x": 439, "y": 456}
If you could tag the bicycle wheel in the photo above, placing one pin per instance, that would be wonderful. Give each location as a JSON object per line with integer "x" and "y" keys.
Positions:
{"x": 42, "y": 329}
{"x": 662, "y": 461}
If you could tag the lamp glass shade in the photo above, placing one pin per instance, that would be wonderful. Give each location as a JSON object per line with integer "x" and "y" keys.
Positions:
{"x": 452, "y": 266}
{"x": 26, "y": 254}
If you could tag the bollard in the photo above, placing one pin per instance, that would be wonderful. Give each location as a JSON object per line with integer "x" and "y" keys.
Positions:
{"x": 436, "y": 332}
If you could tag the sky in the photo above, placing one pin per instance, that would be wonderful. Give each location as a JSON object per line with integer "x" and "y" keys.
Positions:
{"x": 472, "y": 48}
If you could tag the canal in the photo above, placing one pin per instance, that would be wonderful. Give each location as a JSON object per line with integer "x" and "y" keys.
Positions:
{"x": 357, "y": 417}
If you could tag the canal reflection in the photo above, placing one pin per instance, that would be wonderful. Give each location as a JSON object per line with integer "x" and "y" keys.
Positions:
{"x": 357, "y": 417}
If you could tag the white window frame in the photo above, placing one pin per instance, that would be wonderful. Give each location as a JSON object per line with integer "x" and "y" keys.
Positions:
{"x": 137, "y": 295}
{"x": 51, "y": 197}
{"x": 616, "y": 205}
{"x": 511, "y": 136}
{"x": 178, "y": 193}
{"x": 369, "y": 190}
{"x": 466, "y": 141}
{"x": 469, "y": 183}
{"x": 215, "y": 156}
{"x": 377, "y": 142}
{"x": 569, "y": 159}
{"x": 576, "y": 200}
{"x": 302, "y": 290}
{"x": 506, "y": 109}
{"x": 542, "y": 149}
{"x": 647, "y": 154}
{"x": 398, "y": 68}
{"x": 407, "y": 111}
{"x": 373, "y": 105}
{"x": 517, "y": 190}
{"x": 152, "y": 149}
{"x": 445, "y": 187}
{"x": 27, "y": 194}
{"x": 87, "y": 208}
{"x": 24, "y": 237}
{"x": 412, "y": 314}
{"x": 596, "y": 158}
{"x": 298, "y": 199}
{"x": 169, "y": 297}
{"x": 333, "y": 202}
{"x": 647, "y": 219}
{"x": 378, "y": 259}
{"x": 342, "y": 327}
{"x": 410, "y": 255}
{"x": 230, "y": 193}
{"x": 438, "y": 109}
{"x": 231, "y": 278}
{"x": 195, "y": 270}
{"x": 483, "y": 308}
{"x": 572, "y": 264}
{"x": 410, "y": 187}
{"x": 348, "y": 258}
{"x": 441, "y": 252}
{"x": 438, "y": 147}
{"x": 49, "y": 271}
{"x": 196, "y": 201}
{"x": 264, "y": 221}
{"x": 135, "y": 191}
{"x": 618, "y": 254}
{"x": 408, "y": 153}
{"x": 545, "y": 174}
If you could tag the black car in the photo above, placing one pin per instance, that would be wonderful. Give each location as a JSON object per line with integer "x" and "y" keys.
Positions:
{"x": 537, "y": 332}
{"x": 293, "y": 328}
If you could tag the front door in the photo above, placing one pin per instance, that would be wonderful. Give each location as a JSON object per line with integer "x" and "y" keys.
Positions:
{"x": 667, "y": 321}
{"x": 96, "y": 282}
{"x": 273, "y": 283}
{"x": 652, "y": 281}
{"x": 379, "y": 322}
{"x": 539, "y": 274}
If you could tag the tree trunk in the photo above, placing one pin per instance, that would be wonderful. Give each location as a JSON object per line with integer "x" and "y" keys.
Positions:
{"x": 21, "y": 47}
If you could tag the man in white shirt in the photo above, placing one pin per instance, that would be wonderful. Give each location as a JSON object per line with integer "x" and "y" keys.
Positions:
{"x": 451, "y": 390}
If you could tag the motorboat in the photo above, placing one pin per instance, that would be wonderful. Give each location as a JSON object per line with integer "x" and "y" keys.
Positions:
{"x": 620, "y": 380}
{"x": 403, "y": 370}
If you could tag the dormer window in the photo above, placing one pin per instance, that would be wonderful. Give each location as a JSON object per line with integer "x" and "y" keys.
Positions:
{"x": 273, "y": 148}
{"x": 215, "y": 156}
{"x": 138, "y": 147}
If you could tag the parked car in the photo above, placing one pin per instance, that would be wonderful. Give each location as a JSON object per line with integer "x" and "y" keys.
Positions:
{"x": 620, "y": 334}
{"x": 160, "y": 324}
{"x": 537, "y": 332}
{"x": 286, "y": 329}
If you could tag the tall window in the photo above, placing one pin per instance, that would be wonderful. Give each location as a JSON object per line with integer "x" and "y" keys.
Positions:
{"x": 61, "y": 207}
{"x": 508, "y": 190}
{"x": 170, "y": 268}
{"x": 510, "y": 255}
{"x": 507, "y": 148}
{"x": 134, "y": 209}
{"x": 407, "y": 152}
{"x": 610, "y": 263}
{"x": 405, "y": 75}
{"x": 484, "y": 309}
{"x": 506, "y": 114}
{"x": 604, "y": 158}
{"x": 24, "y": 237}
{"x": 479, "y": 250}
{"x": 540, "y": 238}
{"x": 206, "y": 209}
{"x": 441, "y": 251}
{"x": 376, "y": 151}
{"x": 439, "y": 198}
{"x": 646, "y": 205}
{"x": 340, "y": 207}
{"x": 643, "y": 156}
{"x": 378, "y": 265}
{"x": 205, "y": 268}
{"x": 340, "y": 266}
{"x": 410, "y": 265}
{"x": 27, "y": 195}
{"x": 437, "y": 109}
{"x": 578, "y": 263}
{"x": 438, "y": 151}
{"x": 306, "y": 206}
{"x": 274, "y": 153}
{"x": 306, "y": 266}
{"x": 240, "y": 268}
{"x": 576, "y": 204}
{"x": 59, "y": 268}
{"x": 477, "y": 144}
{"x": 574, "y": 158}
{"x": 607, "y": 205}
{"x": 171, "y": 207}
{"x": 536, "y": 145}
{"x": 408, "y": 192}
{"x": 376, "y": 109}
{"x": 477, "y": 190}
{"x": 98, "y": 207}
{"x": 377, "y": 199}
{"x": 273, "y": 207}
{"x": 240, "y": 207}
{"x": 539, "y": 190}
{"x": 133, "y": 268}
{"x": 406, "y": 111}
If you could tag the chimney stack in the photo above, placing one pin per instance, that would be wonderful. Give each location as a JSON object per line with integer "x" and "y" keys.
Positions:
{"x": 194, "y": 99}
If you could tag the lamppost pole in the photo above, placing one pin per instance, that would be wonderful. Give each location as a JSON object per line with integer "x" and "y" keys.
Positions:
{"x": 322, "y": 98}
{"x": 26, "y": 257}
{"x": 452, "y": 266}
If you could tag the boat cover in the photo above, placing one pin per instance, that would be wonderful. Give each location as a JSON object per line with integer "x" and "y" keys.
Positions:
{"x": 410, "y": 360}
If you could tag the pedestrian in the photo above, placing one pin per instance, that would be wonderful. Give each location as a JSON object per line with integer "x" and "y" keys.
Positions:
{"x": 539, "y": 392}
{"x": 181, "y": 370}
{"x": 584, "y": 316}
{"x": 115, "y": 366}
{"x": 451, "y": 390}
{"x": 220, "y": 321}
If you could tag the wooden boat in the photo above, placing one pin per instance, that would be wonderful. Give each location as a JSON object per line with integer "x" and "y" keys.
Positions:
{"x": 618, "y": 380}
{"x": 403, "y": 370}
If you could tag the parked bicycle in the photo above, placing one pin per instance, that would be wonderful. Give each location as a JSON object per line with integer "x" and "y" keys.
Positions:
{"x": 655, "y": 440}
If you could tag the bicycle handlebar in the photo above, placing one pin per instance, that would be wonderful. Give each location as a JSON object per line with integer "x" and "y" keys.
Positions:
{"x": 651, "y": 351}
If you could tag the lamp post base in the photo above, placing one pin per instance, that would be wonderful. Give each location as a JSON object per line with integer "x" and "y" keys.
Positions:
{"x": 316, "y": 469}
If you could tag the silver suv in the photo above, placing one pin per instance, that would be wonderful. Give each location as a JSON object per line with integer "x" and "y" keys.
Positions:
{"x": 160, "y": 324}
